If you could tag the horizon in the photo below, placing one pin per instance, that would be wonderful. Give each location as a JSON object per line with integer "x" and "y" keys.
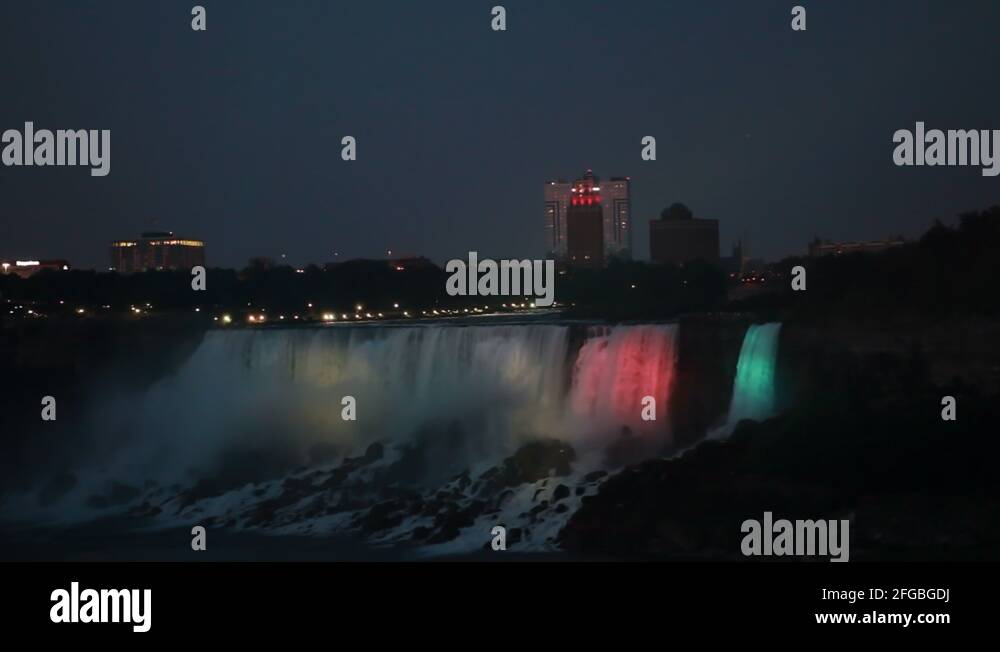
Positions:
{"x": 233, "y": 135}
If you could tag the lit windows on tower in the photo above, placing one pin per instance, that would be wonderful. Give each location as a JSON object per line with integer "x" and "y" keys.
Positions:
{"x": 613, "y": 197}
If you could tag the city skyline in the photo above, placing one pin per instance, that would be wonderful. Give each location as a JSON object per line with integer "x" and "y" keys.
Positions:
{"x": 247, "y": 157}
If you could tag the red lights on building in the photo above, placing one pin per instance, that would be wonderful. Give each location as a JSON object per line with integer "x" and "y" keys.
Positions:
{"x": 585, "y": 221}
{"x": 585, "y": 193}
{"x": 612, "y": 197}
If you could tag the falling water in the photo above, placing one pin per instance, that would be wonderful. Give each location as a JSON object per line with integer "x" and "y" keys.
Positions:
{"x": 616, "y": 369}
{"x": 257, "y": 403}
{"x": 753, "y": 390}
{"x": 281, "y": 392}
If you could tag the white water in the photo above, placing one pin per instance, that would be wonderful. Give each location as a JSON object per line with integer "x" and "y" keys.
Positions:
{"x": 271, "y": 400}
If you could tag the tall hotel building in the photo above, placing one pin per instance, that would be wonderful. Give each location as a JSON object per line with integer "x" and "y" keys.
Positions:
{"x": 156, "y": 250}
{"x": 585, "y": 241}
{"x": 614, "y": 199}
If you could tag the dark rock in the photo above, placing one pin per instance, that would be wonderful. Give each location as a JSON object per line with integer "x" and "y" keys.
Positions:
{"x": 538, "y": 509}
{"x": 463, "y": 480}
{"x": 532, "y": 462}
{"x": 444, "y": 534}
{"x": 629, "y": 448}
{"x": 536, "y": 460}
{"x": 374, "y": 453}
{"x": 382, "y": 516}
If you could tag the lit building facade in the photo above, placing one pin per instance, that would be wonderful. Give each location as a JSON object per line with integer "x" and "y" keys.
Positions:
{"x": 156, "y": 250}
{"x": 557, "y": 197}
{"x": 585, "y": 223}
{"x": 26, "y": 268}
{"x": 615, "y": 202}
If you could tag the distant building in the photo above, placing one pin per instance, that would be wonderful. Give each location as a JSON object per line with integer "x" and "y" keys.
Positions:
{"x": 585, "y": 223}
{"x": 156, "y": 250}
{"x": 615, "y": 203}
{"x": 557, "y": 199}
{"x": 25, "y": 268}
{"x": 683, "y": 239}
{"x": 826, "y": 248}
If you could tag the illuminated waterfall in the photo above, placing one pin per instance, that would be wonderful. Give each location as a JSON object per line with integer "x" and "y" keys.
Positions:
{"x": 484, "y": 389}
{"x": 753, "y": 389}
{"x": 257, "y": 403}
{"x": 617, "y": 368}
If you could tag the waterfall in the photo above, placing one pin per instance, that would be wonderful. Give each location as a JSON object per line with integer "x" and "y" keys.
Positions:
{"x": 255, "y": 403}
{"x": 753, "y": 389}
{"x": 615, "y": 370}
{"x": 280, "y": 392}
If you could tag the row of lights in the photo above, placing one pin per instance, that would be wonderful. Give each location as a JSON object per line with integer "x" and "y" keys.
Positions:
{"x": 332, "y": 316}
{"x": 261, "y": 317}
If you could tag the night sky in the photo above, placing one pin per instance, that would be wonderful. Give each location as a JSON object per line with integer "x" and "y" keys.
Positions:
{"x": 233, "y": 135}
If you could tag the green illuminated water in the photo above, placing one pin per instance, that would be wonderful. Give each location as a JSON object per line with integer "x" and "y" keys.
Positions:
{"x": 753, "y": 390}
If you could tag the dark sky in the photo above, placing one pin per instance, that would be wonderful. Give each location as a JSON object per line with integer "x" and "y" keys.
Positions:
{"x": 233, "y": 135}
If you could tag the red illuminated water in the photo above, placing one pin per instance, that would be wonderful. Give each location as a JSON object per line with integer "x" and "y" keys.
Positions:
{"x": 615, "y": 371}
